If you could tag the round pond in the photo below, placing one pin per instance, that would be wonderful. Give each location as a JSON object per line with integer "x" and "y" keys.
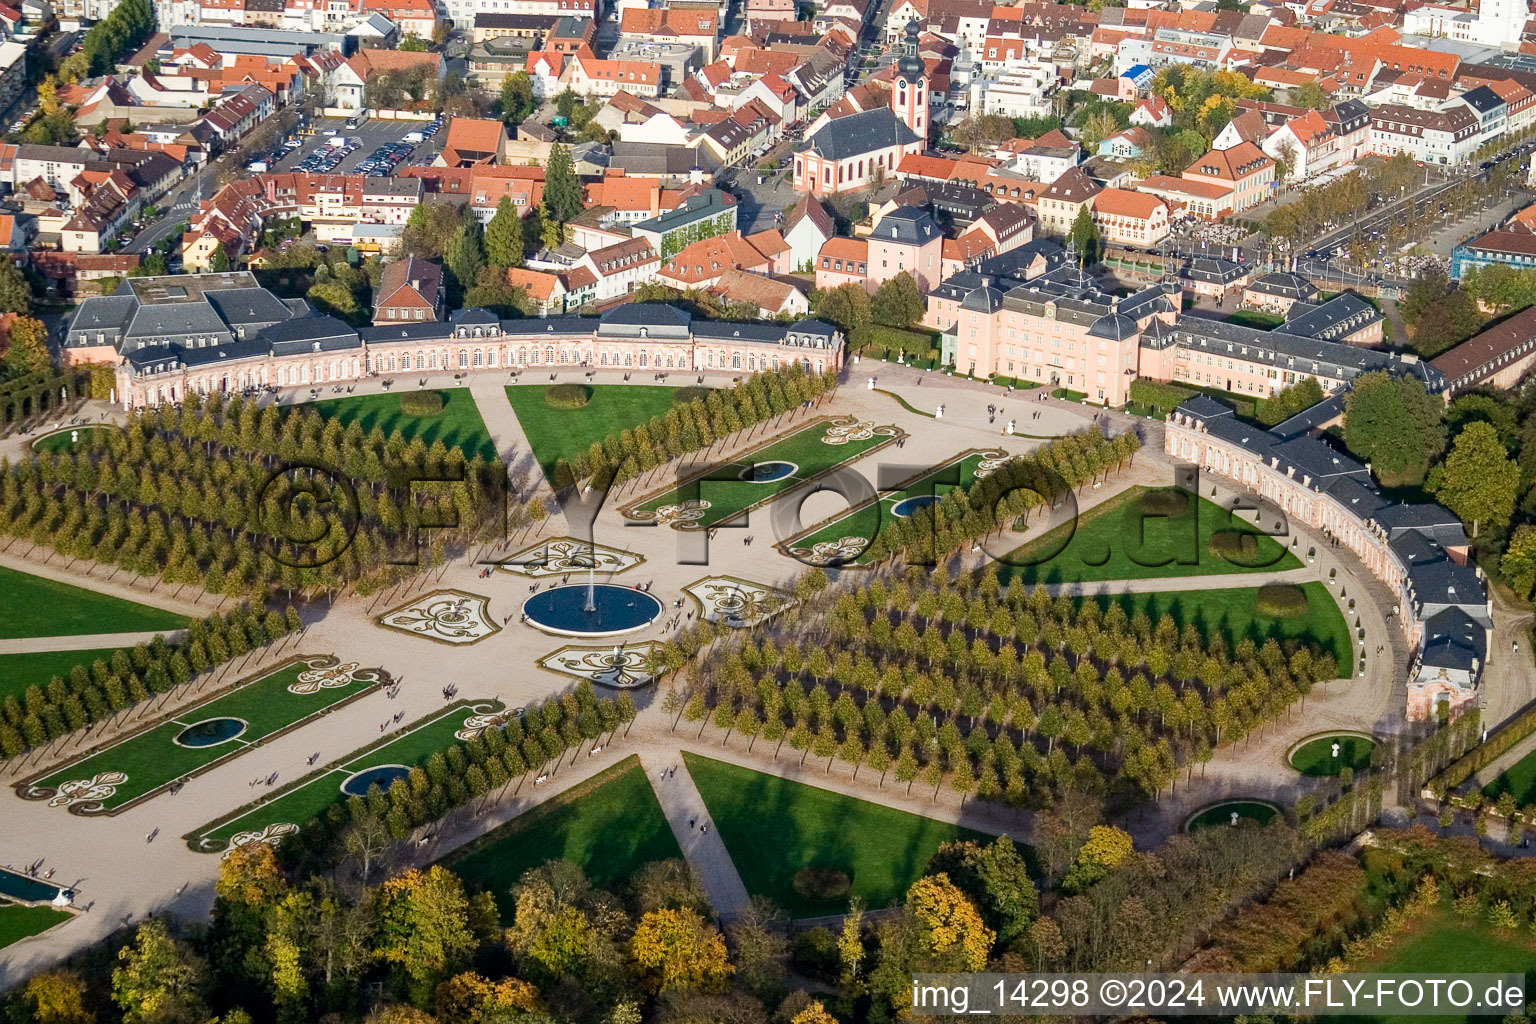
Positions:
{"x": 602, "y": 609}
{"x": 210, "y": 733}
{"x": 383, "y": 776}
{"x": 767, "y": 472}
{"x": 907, "y": 506}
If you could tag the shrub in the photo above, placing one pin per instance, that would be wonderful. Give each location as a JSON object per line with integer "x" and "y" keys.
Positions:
{"x": 1281, "y": 600}
{"x": 821, "y": 884}
{"x": 567, "y": 396}
{"x": 1159, "y": 396}
{"x": 692, "y": 393}
{"x": 1235, "y": 547}
{"x": 1166, "y": 501}
{"x": 814, "y": 953}
{"x": 421, "y": 403}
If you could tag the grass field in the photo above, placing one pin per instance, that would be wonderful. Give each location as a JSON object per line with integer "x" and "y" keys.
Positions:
{"x": 34, "y": 606}
{"x": 1446, "y": 944}
{"x": 1315, "y": 757}
{"x": 59, "y": 441}
{"x": 1220, "y": 816}
{"x": 774, "y": 827}
{"x": 1253, "y": 318}
{"x": 1233, "y": 612}
{"x": 310, "y": 796}
{"x": 865, "y": 523}
{"x": 728, "y": 494}
{"x": 610, "y": 826}
{"x": 458, "y": 426}
{"x": 558, "y": 434}
{"x": 1117, "y": 541}
{"x": 17, "y": 922}
{"x": 1519, "y": 779}
{"x": 19, "y": 671}
{"x": 152, "y": 759}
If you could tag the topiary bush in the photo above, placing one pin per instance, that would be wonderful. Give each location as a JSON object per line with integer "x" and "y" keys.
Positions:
{"x": 567, "y": 396}
{"x": 1166, "y": 501}
{"x": 1281, "y": 601}
{"x": 1235, "y": 547}
{"x": 421, "y": 403}
{"x": 692, "y": 393}
{"x": 821, "y": 884}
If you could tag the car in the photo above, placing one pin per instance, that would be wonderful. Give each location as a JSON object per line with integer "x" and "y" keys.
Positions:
{"x": 330, "y": 133}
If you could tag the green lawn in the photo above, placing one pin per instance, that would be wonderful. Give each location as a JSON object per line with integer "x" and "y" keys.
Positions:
{"x": 152, "y": 759}
{"x": 729, "y": 495}
{"x": 1220, "y": 816}
{"x": 558, "y": 434}
{"x": 610, "y": 826}
{"x": 59, "y": 441}
{"x": 1233, "y": 612}
{"x": 774, "y": 827}
{"x": 17, "y": 922}
{"x": 310, "y": 796}
{"x": 19, "y": 671}
{"x": 34, "y": 606}
{"x": 1519, "y": 779}
{"x": 458, "y": 426}
{"x": 1118, "y": 541}
{"x": 863, "y": 524}
{"x": 1315, "y": 757}
{"x": 1446, "y": 944}
{"x": 1253, "y": 318}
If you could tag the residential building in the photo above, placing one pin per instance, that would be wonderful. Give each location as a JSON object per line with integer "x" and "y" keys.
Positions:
{"x": 409, "y": 291}
{"x": 1432, "y": 137}
{"x": 1058, "y": 206}
{"x": 1130, "y": 218}
{"x": 906, "y": 240}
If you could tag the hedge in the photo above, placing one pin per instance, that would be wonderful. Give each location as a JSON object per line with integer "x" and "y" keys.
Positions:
{"x": 1164, "y": 502}
{"x": 920, "y": 344}
{"x": 821, "y": 884}
{"x": 567, "y": 396}
{"x": 421, "y": 403}
{"x": 1281, "y": 600}
{"x": 1156, "y": 395}
{"x": 1233, "y": 546}
{"x": 1482, "y": 755}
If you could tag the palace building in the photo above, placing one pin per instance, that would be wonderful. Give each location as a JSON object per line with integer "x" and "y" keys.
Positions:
{"x": 169, "y": 337}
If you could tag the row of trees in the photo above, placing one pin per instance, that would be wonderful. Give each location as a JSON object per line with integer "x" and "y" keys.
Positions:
{"x": 117, "y": 35}
{"x": 690, "y": 426}
{"x": 94, "y": 692}
{"x": 988, "y": 685}
{"x": 896, "y": 303}
{"x": 1341, "y": 199}
{"x": 241, "y": 500}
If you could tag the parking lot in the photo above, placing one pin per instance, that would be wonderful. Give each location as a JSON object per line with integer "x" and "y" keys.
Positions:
{"x": 371, "y": 135}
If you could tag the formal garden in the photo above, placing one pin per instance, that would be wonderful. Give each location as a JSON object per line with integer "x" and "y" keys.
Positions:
{"x": 1149, "y": 533}
{"x": 19, "y": 922}
{"x": 133, "y": 768}
{"x": 810, "y": 850}
{"x": 725, "y": 491}
{"x": 1331, "y": 753}
{"x": 19, "y": 672}
{"x": 455, "y": 422}
{"x": 36, "y": 607}
{"x": 610, "y": 826}
{"x": 562, "y": 428}
{"x": 379, "y": 765}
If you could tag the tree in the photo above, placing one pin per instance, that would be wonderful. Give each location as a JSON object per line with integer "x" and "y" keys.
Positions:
{"x": 424, "y": 927}
{"x": 1310, "y": 95}
{"x": 953, "y": 936}
{"x": 1395, "y": 425}
{"x": 504, "y": 236}
{"x": 412, "y": 43}
{"x": 516, "y": 97}
{"x": 897, "y": 302}
{"x": 1107, "y": 847}
{"x": 1479, "y": 481}
{"x": 492, "y": 291}
{"x": 1518, "y": 564}
{"x": 563, "y": 194}
{"x": 333, "y": 297}
{"x": 677, "y": 950}
{"x": 1085, "y": 235}
{"x": 218, "y": 262}
{"x": 15, "y": 293}
{"x": 1097, "y": 127}
{"x": 464, "y": 256}
{"x": 159, "y": 980}
{"x": 847, "y": 306}
{"x": 55, "y": 997}
{"x": 28, "y": 348}
{"x": 996, "y": 879}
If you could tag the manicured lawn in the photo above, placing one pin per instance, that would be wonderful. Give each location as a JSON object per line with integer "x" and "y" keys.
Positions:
{"x": 1253, "y": 318}
{"x": 59, "y": 441}
{"x": 1234, "y": 614}
{"x": 1519, "y": 779}
{"x": 609, "y": 826}
{"x": 19, "y": 671}
{"x": 17, "y": 922}
{"x": 565, "y": 433}
{"x": 1220, "y": 816}
{"x": 458, "y": 426}
{"x": 854, "y": 530}
{"x": 774, "y": 827}
{"x": 728, "y": 494}
{"x": 1315, "y": 757}
{"x": 152, "y": 759}
{"x": 1445, "y": 944}
{"x": 310, "y": 796}
{"x": 1118, "y": 541}
{"x": 34, "y": 606}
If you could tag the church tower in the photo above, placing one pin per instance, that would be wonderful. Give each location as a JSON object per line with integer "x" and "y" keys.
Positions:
{"x": 909, "y": 94}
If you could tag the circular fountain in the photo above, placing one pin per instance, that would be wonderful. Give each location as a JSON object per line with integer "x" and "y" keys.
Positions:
{"x": 383, "y": 776}
{"x": 907, "y": 506}
{"x": 591, "y": 610}
{"x": 767, "y": 472}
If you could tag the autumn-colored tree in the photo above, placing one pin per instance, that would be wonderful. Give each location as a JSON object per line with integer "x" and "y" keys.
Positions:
{"x": 159, "y": 980}
{"x": 424, "y": 927}
{"x": 953, "y": 935}
{"x": 678, "y": 950}
{"x": 814, "y": 1013}
{"x": 473, "y": 999}
{"x": 1105, "y": 849}
{"x": 27, "y": 351}
{"x": 55, "y": 997}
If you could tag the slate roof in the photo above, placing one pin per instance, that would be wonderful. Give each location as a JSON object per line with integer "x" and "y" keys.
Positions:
{"x": 857, "y": 134}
